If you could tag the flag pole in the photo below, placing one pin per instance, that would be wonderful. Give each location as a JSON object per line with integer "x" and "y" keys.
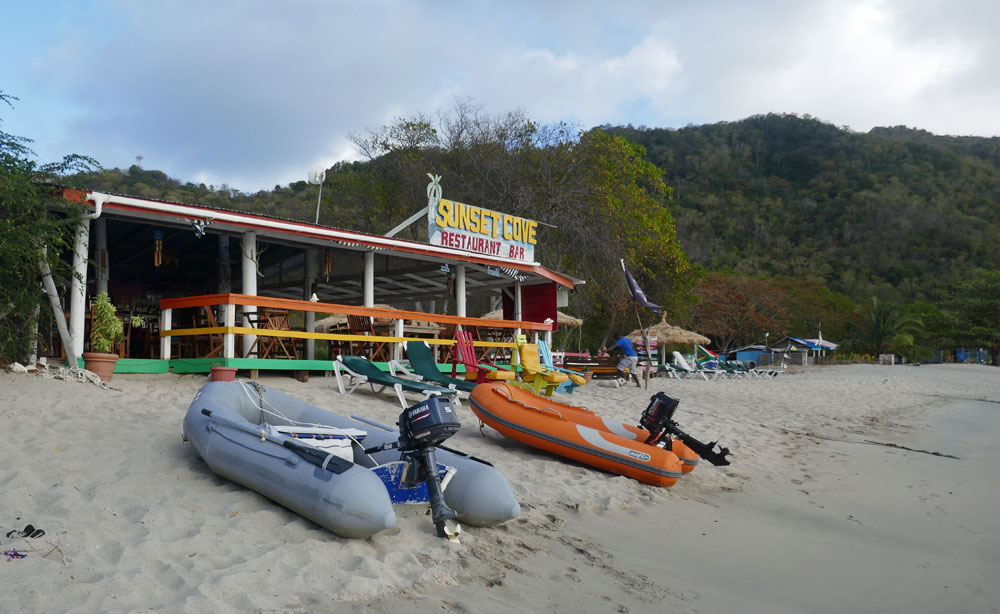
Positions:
{"x": 642, "y": 331}
{"x": 645, "y": 340}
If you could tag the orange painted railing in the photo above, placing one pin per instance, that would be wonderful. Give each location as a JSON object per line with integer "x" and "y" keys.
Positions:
{"x": 492, "y": 332}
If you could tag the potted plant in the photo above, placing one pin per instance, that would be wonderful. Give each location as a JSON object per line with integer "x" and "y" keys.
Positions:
{"x": 105, "y": 331}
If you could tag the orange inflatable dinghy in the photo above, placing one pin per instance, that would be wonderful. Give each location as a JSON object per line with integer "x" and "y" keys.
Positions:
{"x": 558, "y": 428}
{"x": 582, "y": 415}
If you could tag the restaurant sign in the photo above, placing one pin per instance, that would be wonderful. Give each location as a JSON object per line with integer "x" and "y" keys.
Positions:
{"x": 482, "y": 231}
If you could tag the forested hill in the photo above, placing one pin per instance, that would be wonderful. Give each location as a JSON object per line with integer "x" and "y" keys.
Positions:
{"x": 898, "y": 213}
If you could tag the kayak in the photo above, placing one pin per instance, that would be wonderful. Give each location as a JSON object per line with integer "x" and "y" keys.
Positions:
{"x": 322, "y": 465}
{"x": 573, "y": 432}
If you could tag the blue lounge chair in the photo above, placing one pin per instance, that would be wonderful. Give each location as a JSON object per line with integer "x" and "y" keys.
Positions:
{"x": 576, "y": 379}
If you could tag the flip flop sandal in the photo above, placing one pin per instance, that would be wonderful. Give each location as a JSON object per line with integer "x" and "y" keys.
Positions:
{"x": 29, "y": 531}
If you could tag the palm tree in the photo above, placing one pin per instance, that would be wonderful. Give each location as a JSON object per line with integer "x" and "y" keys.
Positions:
{"x": 884, "y": 329}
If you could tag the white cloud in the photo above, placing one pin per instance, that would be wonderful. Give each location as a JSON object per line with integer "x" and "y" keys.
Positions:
{"x": 254, "y": 93}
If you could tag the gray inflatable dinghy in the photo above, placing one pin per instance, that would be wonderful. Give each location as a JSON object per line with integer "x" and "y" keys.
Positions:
{"x": 340, "y": 472}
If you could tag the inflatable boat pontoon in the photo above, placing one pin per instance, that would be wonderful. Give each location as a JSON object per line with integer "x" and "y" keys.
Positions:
{"x": 339, "y": 472}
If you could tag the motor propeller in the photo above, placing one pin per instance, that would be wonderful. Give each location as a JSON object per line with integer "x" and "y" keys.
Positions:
{"x": 422, "y": 427}
{"x": 658, "y": 420}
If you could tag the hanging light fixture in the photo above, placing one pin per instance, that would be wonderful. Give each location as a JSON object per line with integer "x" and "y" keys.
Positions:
{"x": 157, "y": 247}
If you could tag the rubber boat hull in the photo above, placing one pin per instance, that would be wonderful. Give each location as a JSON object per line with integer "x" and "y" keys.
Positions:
{"x": 582, "y": 415}
{"x": 548, "y": 425}
{"x": 355, "y": 503}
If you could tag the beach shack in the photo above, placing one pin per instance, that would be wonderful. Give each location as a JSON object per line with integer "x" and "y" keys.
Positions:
{"x": 219, "y": 287}
{"x": 752, "y": 355}
{"x": 795, "y": 350}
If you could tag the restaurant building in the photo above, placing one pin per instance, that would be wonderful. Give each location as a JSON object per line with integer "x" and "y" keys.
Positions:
{"x": 218, "y": 287}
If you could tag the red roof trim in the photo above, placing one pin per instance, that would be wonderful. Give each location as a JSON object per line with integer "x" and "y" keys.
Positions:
{"x": 369, "y": 240}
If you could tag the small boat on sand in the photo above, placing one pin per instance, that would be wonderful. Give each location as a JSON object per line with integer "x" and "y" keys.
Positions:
{"x": 582, "y": 415}
{"x": 339, "y": 472}
{"x": 646, "y": 453}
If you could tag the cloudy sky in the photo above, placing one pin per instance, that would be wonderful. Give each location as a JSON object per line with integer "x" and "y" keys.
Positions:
{"x": 252, "y": 93}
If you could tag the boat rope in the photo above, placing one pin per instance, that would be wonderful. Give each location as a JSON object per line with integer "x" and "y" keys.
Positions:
{"x": 77, "y": 374}
{"x": 506, "y": 394}
{"x": 277, "y": 413}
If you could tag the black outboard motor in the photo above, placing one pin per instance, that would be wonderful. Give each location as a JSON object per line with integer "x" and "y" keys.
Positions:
{"x": 421, "y": 427}
{"x": 657, "y": 418}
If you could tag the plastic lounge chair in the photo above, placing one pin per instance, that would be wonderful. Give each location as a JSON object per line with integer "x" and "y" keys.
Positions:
{"x": 359, "y": 370}
{"x": 672, "y": 371}
{"x": 728, "y": 370}
{"x": 683, "y": 364}
{"x": 533, "y": 374}
{"x": 708, "y": 372}
{"x": 424, "y": 367}
{"x": 576, "y": 379}
{"x": 479, "y": 372}
{"x": 742, "y": 369}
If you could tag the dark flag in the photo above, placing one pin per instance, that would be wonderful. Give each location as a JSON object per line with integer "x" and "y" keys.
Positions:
{"x": 637, "y": 293}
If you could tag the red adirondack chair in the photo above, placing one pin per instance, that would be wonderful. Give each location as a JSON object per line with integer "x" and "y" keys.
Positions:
{"x": 480, "y": 372}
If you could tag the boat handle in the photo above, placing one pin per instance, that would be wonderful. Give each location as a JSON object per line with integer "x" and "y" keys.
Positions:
{"x": 545, "y": 409}
{"x": 542, "y": 410}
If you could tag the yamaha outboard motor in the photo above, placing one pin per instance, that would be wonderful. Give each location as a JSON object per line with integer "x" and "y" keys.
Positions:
{"x": 421, "y": 427}
{"x": 658, "y": 420}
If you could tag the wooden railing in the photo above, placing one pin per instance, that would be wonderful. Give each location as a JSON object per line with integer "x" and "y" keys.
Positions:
{"x": 225, "y": 306}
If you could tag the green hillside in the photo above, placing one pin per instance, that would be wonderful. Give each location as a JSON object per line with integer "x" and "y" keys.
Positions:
{"x": 804, "y": 221}
{"x": 896, "y": 213}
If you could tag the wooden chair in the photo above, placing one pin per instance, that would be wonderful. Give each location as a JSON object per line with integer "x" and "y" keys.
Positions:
{"x": 447, "y": 351}
{"x": 211, "y": 347}
{"x": 536, "y": 376}
{"x": 375, "y": 350}
{"x": 216, "y": 341}
{"x": 475, "y": 370}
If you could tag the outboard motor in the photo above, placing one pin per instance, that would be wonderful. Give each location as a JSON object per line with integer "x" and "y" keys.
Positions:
{"x": 421, "y": 427}
{"x": 658, "y": 420}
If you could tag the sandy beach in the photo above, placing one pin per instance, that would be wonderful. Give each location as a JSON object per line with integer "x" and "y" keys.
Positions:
{"x": 854, "y": 488}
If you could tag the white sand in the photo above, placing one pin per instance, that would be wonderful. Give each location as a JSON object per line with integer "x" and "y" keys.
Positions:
{"x": 808, "y": 518}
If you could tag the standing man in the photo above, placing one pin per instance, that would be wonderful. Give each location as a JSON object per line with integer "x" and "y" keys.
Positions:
{"x": 628, "y": 364}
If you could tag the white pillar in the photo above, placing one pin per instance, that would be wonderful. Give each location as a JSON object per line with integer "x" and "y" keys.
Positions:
{"x": 517, "y": 315}
{"x": 166, "y": 321}
{"x": 460, "y": 290}
{"x": 33, "y": 359}
{"x": 101, "y": 254}
{"x": 78, "y": 286}
{"x": 397, "y": 349}
{"x": 228, "y": 340}
{"x": 249, "y": 261}
{"x": 369, "y": 279}
{"x": 312, "y": 268}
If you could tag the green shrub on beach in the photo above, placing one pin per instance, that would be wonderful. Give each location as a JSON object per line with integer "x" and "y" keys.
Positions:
{"x": 29, "y": 233}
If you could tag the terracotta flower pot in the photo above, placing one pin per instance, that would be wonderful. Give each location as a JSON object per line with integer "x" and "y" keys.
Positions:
{"x": 223, "y": 374}
{"x": 101, "y": 364}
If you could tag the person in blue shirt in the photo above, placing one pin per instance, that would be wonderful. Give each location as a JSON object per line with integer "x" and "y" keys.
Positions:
{"x": 627, "y": 365}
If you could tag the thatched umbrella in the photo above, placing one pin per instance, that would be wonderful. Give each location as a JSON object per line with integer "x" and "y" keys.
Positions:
{"x": 338, "y": 320}
{"x": 667, "y": 333}
{"x": 330, "y": 323}
{"x": 563, "y": 318}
